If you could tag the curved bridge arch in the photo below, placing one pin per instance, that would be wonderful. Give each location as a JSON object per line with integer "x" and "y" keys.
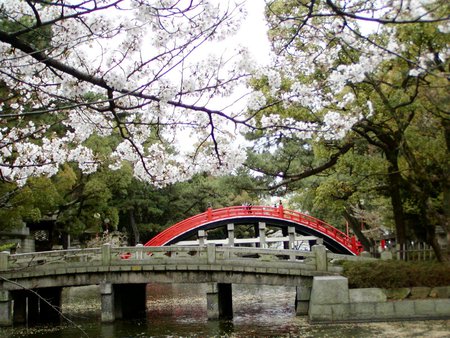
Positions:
{"x": 334, "y": 239}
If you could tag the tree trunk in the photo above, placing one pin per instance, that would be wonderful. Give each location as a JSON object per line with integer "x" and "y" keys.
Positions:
{"x": 446, "y": 208}
{"x": 356, "y": 227}
{"x": 396, "y": 200}
{"x": 133, "y": 227}
{"x": 429, "y": 213}
{"x": 389, "y": 143}
{"x": 436, "y": 248}
{"x": 446, "y": 187}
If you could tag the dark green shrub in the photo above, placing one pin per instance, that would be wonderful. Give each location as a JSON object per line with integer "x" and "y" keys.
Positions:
{"x": 396, "y": 274}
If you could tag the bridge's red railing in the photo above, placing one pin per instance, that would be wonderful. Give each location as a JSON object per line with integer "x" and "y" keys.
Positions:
{"x": 212, "y": 215}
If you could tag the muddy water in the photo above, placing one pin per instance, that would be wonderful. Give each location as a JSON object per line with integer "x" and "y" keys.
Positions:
{"x": 179, "y": 310}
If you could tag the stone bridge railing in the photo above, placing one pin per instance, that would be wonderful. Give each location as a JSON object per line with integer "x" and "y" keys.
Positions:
{"x": 317, "y": 260}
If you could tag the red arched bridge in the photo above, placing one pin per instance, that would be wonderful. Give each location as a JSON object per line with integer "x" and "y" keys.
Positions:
{"x": 334, "y": 239}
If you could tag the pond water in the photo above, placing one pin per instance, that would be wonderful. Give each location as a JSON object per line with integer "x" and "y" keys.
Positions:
{"x": 179, "y": 310}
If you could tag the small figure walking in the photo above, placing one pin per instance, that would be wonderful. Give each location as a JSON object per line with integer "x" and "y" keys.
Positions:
{"x": 280, "y": 209}
{"x": 248, "y": 207}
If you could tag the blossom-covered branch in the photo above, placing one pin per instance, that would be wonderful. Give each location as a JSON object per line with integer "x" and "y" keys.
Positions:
{"x": 102, "y": 66}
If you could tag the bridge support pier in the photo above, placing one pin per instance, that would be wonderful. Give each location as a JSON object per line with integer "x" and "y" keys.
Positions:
{"x": 219, "y": 301}
{"x": 6, "y": 311}
{"x": 122, "y": 301}
{"x": 302, "y": 296}
{"x": 107, "y": 301}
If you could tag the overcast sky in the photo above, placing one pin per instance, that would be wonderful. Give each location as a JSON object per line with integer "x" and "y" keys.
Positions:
{"x": 253, "y": 31}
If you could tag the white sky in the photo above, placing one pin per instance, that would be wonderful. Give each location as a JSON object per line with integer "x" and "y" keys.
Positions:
{"x": 253, "y": 32}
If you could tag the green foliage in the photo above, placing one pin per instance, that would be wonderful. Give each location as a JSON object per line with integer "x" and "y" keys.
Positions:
{"x": 65, "y": 180}
{"x": 46, "y": 196}
{"x": 40, "y": 197}
{"x": 157, "y": 209}
{"x": 90, "y": 204}
{"x": 396, "y": 274}
{"x": 102, "y": 146}
{"x": 7, "y": 246}
{"x": 37, "y": 36}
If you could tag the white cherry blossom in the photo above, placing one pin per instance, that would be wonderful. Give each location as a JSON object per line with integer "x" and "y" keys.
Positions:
{"x": 155, "y": 72}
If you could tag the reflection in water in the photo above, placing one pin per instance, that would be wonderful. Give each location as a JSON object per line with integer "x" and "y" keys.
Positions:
{"x": 256, "y": 309}
{"x": 179, "y": 310}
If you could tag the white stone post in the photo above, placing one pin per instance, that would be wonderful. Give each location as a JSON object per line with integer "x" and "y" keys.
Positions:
{"x": 291, "y": 233}
{"x": 230, "y": 229}
{"x": 201, "y": 237}
{"x": 139, "y": 251}
{"x": 262, "y": 234}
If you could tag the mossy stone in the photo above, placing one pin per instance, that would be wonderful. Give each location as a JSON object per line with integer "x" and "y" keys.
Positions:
{"x": 419, "y": 292}
{"x": 398, "y": 293}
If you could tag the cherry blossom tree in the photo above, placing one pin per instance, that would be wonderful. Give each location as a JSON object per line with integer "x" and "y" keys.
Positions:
{"x": 348, "y": 72}
{"x": 324, "y": 47}
{"x": 74, "y": 68}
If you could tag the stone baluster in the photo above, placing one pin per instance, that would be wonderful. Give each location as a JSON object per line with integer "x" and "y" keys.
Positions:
{"x": 262, "y": 234}
{"x": 291, "y": 234}
{"x": 211, "y": 252}
{"x": 139, "y": 251}
{"x": 230, "y": 229}
{"x": 106, "y": 254}
{"x": 202, "y": 237}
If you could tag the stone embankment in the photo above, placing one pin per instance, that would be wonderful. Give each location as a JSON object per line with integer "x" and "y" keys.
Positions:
{"x": 332, "y": 301}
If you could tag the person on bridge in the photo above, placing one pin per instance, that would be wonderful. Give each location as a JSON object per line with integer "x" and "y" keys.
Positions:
{"x": 248, "y": 207}
{"x": 281, "y": 209}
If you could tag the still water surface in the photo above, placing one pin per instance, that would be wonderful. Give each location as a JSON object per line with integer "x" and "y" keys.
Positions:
{"x": 179, "y": 310}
